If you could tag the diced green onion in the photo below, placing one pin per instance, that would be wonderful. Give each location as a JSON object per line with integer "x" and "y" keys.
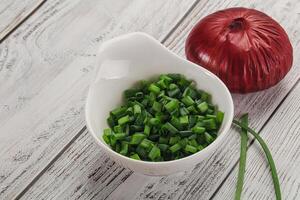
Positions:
{"x": 118, "y": 112}
{"x": 156, "y": 106}
{"x": 106, "y": 135}
{"x": 163, "y": 147}
{"x": 220, "y": 117}
{"x": 153, "y": 88}
{"x": 120, "y": 136}
{"x": 147, "y": 130}
{"x": 137, "y": 138}
{"x": 124, "y": 148}
{"x": 154, "y": 153}
{"x": 171, "y": 106}
{"x": 174, "y": 140}
{"x": 190, "y": 148}
{"x": 188, "y": 101}
{"x": 185, "y": 133}
{"x": 163, "y": 119}
{"x": 135, "y": 156}
{"x": 154, "y": 121}
{"x": 118, "y": 129}
{"x": 137, "y": 109}
{"x": 111, "y": 121}
{"x": 210, "y": 124}
{"x": 209, "y": 139}
{"x": 176, "y": 147}
{"x": 163, "y": 140}
{"x": 203, "y": 107}
{"x": 123, "y": 120}
{"x": 184, "y": 120}
{"x": 168, "y": 126}
{"x": 146, "y": 143}
{"x": 198, "y": 129}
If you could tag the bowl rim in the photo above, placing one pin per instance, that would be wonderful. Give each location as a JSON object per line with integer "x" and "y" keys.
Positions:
{"x": 206, "y": 150}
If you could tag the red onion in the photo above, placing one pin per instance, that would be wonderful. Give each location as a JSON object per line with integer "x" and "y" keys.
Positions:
{"x": 246, "y": 48}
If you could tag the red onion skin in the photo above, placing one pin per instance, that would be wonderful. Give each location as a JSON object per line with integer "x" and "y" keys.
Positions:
{"x": 246, "y": 48}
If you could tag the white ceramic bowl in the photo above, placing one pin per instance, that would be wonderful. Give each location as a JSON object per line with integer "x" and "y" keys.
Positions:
{"x": 123, "y": 61}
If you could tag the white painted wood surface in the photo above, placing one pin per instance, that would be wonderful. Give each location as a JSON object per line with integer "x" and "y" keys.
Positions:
{"x": 64, "y": 163}
{"x": 13, "y": 13}
{"x": 45, "y": 71}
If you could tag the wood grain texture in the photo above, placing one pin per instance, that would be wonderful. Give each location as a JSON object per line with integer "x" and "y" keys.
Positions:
{"x": 282, "y": 134}
{"x": 203, "y": 181}
{"x": 45, "y": 70}
{"x": 12, "y": 13}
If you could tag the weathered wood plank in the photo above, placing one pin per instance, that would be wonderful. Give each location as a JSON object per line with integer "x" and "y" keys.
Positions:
{"x": 207, "y": 176}
{"x": 45, "y": 71}
{"x": 12, "y": 13}
{"x": 282, "y": 134}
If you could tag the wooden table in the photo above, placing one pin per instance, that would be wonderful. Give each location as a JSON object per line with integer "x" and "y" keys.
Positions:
{"x": 47, "y": 55}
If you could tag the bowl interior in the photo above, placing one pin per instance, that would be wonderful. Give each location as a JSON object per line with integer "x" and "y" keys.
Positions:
{"x": 122, "y": 63}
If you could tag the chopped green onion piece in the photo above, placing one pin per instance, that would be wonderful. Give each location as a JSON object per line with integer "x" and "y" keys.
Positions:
{"x": 205, "y": 96}
{"x": 123, "y": 120}
{"x": 209, "y": 139}
{"x": 135, "y": 156}
{"x": 165, "y": 78}
{"x": 106, "y": 135}
{"x": 174, "y": 92}
{"x": 192, "y": 109}
{"x": 163, "y": 147}
{"x": 141, "y": 152}
{"x": 176, "y": 147}
{"x": 113, "y": 140}
{"x": 203, "y": 107}
{"x": 210, "y": 124}
{"x": 163, "y": 140}
{"x": 124, "y": 148}
{"x": 198, "y": 129}
{"x": 156, "y": 106}
{"x": 173, "y": 86}
{"x": 183, "y": 142}
{"x": 188, "y": 101}
{"x": 190, "y": 148}
{"x": 193, "y": 142}
{"x": 154, "y": 153}
{"x": 137, "y": 138}
{"x": 220, "y": 117}
{"x": 184, "y": 120}
{"x": 168, "y": 126}
{"x": 118, "y": 112}
{"x": 174, "y": 140}
{"x": 171, "y": 106}
{"x": 111, "y": 121}
{"x": 120, "y": 136}
{"x": 146, "y": 143}
{"x": 184, "y": 111}
{"x": 118, "y": 129}
{"x": 185, "y": 133}
{"x": 137, "y": 109}
{"x": 153, "y": 88}
{"x": 209, "y": 116}
{"x": 200, "y": 147}
{"x": 154, "y": 121}
{"x": 147, "y": 130}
